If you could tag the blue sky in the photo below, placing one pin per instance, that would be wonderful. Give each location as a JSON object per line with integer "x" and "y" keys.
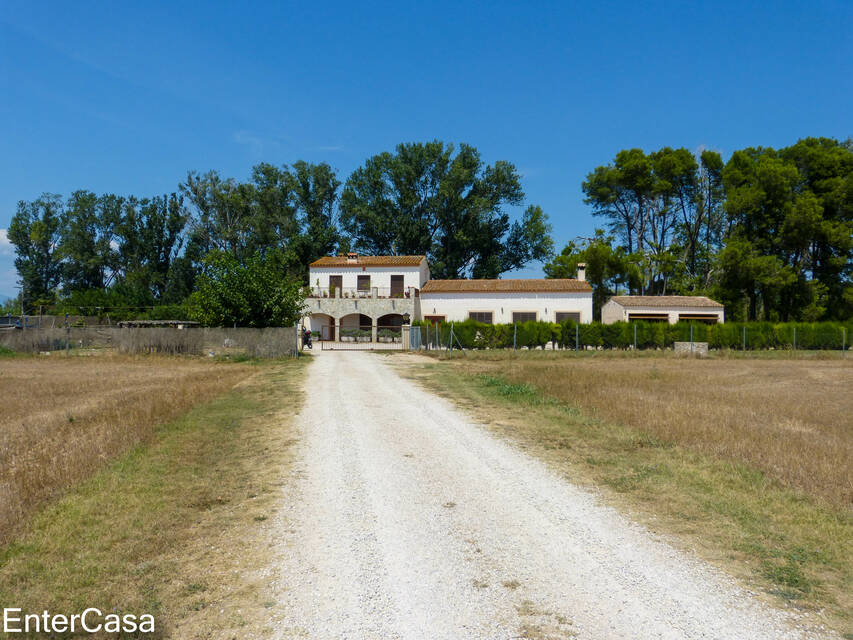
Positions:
{"x": 123, "y": 99}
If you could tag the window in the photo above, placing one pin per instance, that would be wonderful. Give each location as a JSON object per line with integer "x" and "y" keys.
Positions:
{"x": 481, "y": 316}
{"x": 707, "y": 318}
{"x": 563, "y": 316}
{"x": 434, "y": 320}
{"x": 649, "y": 317}
{"x": 523, "y": 316}
{"x": 364, "y": 283}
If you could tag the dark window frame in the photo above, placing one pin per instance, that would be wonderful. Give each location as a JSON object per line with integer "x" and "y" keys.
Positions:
{"x": 525, "y": 313}
{"x": 478, "y": 316}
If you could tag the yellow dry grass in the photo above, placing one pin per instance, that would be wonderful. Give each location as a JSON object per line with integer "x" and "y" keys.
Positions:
{"x": 63, "y": 418}
{"x": 791, "y": 418}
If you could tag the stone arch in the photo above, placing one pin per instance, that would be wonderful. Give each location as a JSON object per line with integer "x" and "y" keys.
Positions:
{"x": 322, "y": 326}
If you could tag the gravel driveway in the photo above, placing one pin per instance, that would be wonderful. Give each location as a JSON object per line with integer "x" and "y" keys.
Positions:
{"x": 406, "y": 520}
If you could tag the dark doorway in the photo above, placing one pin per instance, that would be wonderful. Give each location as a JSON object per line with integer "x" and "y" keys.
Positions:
{"x": 336, "y": 283}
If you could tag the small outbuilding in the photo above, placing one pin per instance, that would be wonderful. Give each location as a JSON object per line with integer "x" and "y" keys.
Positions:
{"x": 670, "y": 309}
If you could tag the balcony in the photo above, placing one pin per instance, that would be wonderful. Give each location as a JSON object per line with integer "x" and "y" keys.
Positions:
{"x": 356, "y": 294}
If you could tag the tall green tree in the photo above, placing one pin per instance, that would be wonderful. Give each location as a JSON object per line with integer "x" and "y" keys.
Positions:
{"x": 257, "y": 293}
{"x": 607, "y": 268}
{"x": 424, "y": 199}
{"x": 89, "y": 238}
{"x": 35, "y": 232}
{"x": 825, "y": 167}
{"x": 662, "y": 206}
{"x": 288, "y": 209}
{"x": 151, "y": 238}
{"x": 789, "y": 211}
{"x": 314, "y": 193}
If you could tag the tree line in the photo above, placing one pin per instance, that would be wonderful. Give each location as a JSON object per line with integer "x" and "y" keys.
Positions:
{"x": 769, "y": 233}
{"x": 91, "y": 251}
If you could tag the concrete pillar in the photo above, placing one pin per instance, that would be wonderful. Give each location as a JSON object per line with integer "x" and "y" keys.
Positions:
{"x": 373, "y": 337}
{"x": 336, "y": 323}
{"x": 407, "y": 337}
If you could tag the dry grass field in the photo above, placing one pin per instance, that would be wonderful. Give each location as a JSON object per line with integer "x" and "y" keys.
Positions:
{"x": 181, "y": 526}
{"x": 791, "y": 418}
{"x": 63, "y": 418}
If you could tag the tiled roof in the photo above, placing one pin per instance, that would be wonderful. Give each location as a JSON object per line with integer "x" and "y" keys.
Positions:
{"x": 543, "y": 285}
{"x": 368, "y": 261}
{"x": 665, "y": 301}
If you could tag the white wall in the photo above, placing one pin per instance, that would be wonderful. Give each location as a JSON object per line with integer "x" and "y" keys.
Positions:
{"x": 614, "y": 312}
{"x": 455, "y": 306}
{"x": 379, "y": 276}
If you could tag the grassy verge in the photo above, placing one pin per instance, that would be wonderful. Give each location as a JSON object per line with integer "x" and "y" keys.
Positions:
{"x": 175, "y": 527}
{"x": 796, "y": 549}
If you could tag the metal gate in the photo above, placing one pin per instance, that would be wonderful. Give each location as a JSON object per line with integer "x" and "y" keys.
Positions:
{"x": 387, "y": 339}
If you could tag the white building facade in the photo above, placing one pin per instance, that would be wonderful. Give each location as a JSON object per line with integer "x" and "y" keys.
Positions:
{"x": 506, "y": 301}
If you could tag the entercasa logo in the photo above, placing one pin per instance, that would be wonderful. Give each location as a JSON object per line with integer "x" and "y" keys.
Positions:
{"x": 92, "y": 620}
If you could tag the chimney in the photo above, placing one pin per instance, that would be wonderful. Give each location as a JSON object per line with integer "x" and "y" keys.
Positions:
{"x": 352, "y": 258}
{"x": 582, "y": 271}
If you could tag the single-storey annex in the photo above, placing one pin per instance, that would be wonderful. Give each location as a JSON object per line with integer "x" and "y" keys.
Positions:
{"x": 670, "y": 309}
{"x": 507, "y": 301}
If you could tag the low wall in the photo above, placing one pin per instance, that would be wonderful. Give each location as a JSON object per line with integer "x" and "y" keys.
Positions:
{"x": 262, "y": 343}
{"x": 691, "y": 348}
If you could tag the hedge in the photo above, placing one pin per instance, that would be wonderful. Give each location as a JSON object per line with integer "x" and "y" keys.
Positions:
{"x": 649, "y": 335}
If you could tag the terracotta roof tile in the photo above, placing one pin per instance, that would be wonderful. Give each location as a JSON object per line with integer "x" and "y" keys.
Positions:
{"x": 665, "y": 301}
{"x": 368, "y": 261}
{"x": 542, "y": 285}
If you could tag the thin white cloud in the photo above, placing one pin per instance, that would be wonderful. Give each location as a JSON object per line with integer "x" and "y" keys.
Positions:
{"x": 336, "y": 147}
{"x": 257, "y": 144}
{"x": 6, "y": 248}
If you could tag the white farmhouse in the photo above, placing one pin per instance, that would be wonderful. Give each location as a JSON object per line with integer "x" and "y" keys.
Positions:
{"x": 357, "y": 297}
{"x": 670, "y": 309}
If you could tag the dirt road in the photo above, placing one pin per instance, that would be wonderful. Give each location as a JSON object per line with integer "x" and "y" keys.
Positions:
{"x": 405, "y": 520}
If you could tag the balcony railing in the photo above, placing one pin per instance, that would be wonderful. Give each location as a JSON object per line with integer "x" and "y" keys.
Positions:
{"x": 355, "y": 293}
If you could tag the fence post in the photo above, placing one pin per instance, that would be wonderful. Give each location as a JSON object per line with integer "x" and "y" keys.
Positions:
{"x": 577, "y": 342}
{"x": 843, "y": 340}
{"x": 514, "y": 334}
{"x": 635, "y": 336}
{"x": 451, "y": 340}
{"x": 795, "y": 337}
{"x": 691, "y": 337}
{"x": 744, "y": 338}
{"x": 67, "y": 336}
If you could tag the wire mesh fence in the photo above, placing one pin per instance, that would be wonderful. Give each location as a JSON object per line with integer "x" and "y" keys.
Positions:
{"x": 823, "y": 336}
